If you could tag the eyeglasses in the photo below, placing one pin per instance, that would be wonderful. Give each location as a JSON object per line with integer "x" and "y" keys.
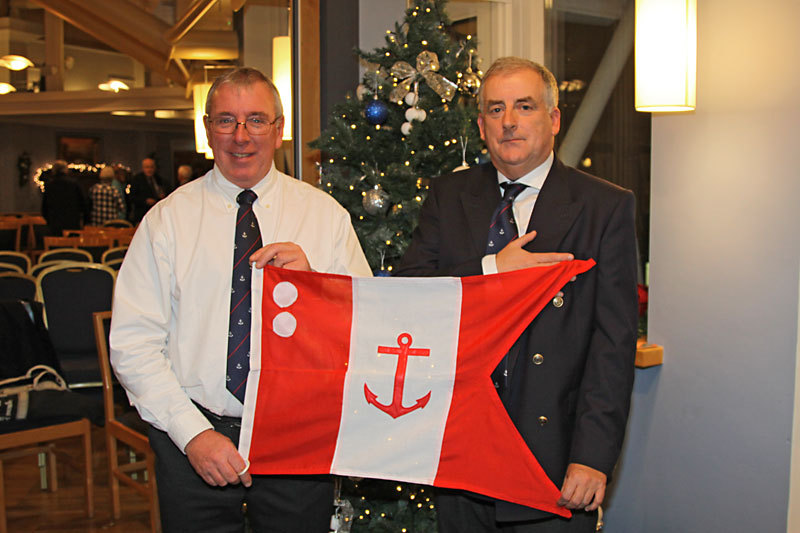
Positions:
{"x": 254, "y": 125}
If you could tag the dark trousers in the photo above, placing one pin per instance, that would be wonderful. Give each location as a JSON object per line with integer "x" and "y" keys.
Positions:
{"x": 460, "y": 513}
{"x": 274, "y": 504}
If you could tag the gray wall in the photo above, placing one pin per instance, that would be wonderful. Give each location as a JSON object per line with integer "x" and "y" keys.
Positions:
{"x": 123, "y": 140}
{"x": 338, "y": 61}
{"x": 708, "y": 447}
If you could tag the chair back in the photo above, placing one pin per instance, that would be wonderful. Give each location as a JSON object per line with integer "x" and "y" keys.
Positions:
{"x": 8, "y": 267}
{"x": 95, "y": 241}
{"x": 9, "y": 234}
{"x": 65, "y": 254}
{"x": 16, "y": 258}
{"x": 17, "y": 286}
{"x": 114, "y": 264}
{"x": 38, "y": 268}
{"x": 117, "y": 223}
{"x": 71, "y": 292}
{"x": 111, "y": 254}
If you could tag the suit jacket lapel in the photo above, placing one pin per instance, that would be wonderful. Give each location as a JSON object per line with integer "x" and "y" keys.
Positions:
{"x": 554, "y": 213}
{"x": 479, "y": 199}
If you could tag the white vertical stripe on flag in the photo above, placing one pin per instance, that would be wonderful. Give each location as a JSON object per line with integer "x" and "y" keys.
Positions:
{"x": 251, "y": 393}
{"x": 372, "y": 443}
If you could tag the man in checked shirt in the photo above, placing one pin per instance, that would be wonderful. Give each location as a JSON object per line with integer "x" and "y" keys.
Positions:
{"x": 106, "y": 201}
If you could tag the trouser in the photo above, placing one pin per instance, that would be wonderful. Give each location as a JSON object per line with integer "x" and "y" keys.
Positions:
{"x": 273, "y": 504}
{"x": 460, "y": 513}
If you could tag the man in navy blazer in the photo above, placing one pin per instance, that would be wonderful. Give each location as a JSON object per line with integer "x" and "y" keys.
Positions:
{"x": 568, "y": 378}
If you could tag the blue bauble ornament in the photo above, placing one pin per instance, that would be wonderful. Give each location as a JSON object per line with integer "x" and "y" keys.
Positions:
{"x": 376, "y": 112}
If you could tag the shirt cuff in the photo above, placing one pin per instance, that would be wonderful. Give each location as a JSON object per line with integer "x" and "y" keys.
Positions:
{"x": 489, "y": 264}
{"x": 187, "y": 427}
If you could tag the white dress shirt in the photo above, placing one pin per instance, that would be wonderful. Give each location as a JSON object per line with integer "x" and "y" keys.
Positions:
{"x": 523, "y": 204}
{"x": 169, "y": 331}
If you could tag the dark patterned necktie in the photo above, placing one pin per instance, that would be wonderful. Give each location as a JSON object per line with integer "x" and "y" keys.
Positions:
{"x": 502, "y": 231}
{"x": 504, "y": 228}
{"x": 247, "y": 241}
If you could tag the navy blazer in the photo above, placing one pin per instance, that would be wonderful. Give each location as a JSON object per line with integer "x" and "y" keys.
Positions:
{"x": 571, "y": 371}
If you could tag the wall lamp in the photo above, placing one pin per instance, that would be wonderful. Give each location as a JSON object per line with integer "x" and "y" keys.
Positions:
{"x": 666, "y": 55}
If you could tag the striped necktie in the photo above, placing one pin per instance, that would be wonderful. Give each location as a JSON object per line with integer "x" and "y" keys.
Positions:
{"x": 247, "y": 241}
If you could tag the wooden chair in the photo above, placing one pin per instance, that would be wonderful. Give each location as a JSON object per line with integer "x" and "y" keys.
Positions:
{"x": 9, "y": 234}
{"x": 16, "y": 286}
{"x": 45, "y": 425}
{"x": 20, "y": 438}
{"x": 16, "y": 258}
{"x": 33, "y": 229}
{"x": 129, "y": 430}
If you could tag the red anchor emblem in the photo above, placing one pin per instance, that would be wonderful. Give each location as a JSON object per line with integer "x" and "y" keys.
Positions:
{"x": 403, "y": 351}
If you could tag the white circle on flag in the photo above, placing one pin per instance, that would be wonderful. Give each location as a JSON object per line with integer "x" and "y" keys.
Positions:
{"x": 284, "y": 294}
{"x": 284, "y": 324}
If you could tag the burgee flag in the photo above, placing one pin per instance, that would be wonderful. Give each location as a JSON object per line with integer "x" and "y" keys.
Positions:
{"x": 390, "y": 378}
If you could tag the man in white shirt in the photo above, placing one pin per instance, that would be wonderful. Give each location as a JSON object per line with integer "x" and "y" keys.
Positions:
{"x": 173, "y": 301}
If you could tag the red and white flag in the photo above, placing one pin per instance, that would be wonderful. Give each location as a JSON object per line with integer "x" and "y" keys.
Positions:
{"x": 390, "y": 378}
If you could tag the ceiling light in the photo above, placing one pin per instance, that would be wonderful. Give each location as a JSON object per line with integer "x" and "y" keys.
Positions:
{"x": 6, "y": 88}
{"x": 15, "y": 62}
{"x": 114, "y": 85}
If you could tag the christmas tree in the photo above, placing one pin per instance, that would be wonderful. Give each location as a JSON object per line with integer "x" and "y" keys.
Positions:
{"x": 412, "y": 118}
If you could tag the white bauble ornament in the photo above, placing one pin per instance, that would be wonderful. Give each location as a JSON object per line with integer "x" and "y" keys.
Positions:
{"x": 411, "y": 113}
{"x": 406, "y": 128}
{"x": 361, "y": 90}
{"x": 411, "y": 99}
{"x": 421, "y": 114}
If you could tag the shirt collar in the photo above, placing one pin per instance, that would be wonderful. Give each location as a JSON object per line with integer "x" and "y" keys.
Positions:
{"x": 230, "y": 190}
{"x": 535, "y": 178}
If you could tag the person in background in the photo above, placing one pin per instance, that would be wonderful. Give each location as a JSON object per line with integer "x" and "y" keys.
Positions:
{"x": 63, "y": 202}
{"x": 184, "y": 174}
{"x": 147, "y": 188}
{"x": 120, "y": 184}
{"x": 105, "y": 199}
{"x": 181, "y": 315}
{"x": 566, "y": 382}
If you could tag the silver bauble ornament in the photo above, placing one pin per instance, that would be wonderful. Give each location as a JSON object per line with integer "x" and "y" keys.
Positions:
{"x": 375, "y": 201}
{"x": 470, "y": 83}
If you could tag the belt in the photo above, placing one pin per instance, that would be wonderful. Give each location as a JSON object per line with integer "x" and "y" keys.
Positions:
{"x": 213, "y": 417}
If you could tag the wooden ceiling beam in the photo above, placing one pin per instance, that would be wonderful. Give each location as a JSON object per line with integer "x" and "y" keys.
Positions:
{"x": 94, "y": 101}
{"x": 122, "y": 26}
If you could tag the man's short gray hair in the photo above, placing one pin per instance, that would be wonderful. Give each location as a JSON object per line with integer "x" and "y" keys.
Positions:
{"x": 505, "y": 65}
{"x": 244, "y": 77}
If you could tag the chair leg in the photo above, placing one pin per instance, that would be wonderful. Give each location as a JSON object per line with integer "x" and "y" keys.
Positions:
{"x": 155, "y": 512}
{"x": 52, "y": 471}
{"x": 43, "y": 470}
{"x": 113, "y": 482}
{"x": 87, "y": 454}
{"x": 3, "y": 526}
